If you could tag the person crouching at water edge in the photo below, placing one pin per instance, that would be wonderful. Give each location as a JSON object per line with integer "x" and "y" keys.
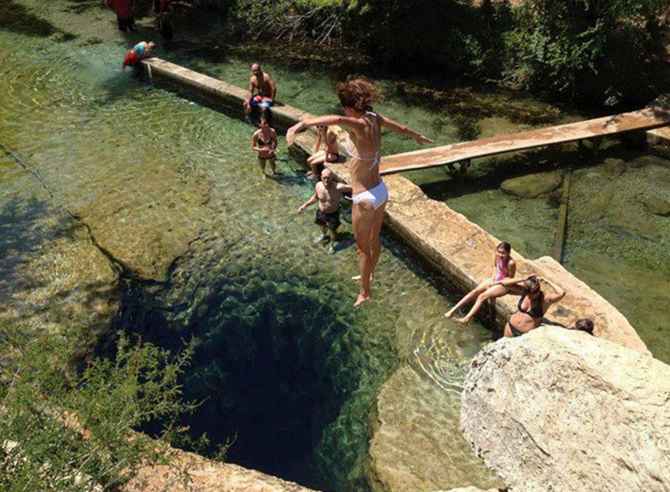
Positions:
{"x": 328, "y": 193}
{"x": 264, "y": 142}
{"x": 505, "y": 267}
{"x": 138, "y": 52}
{"x": 369, "y": 192}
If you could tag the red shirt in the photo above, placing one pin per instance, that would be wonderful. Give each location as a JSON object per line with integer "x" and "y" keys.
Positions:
{"x": 123, "y": 8}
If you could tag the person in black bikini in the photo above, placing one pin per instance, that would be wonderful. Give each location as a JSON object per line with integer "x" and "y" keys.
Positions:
{"x": 532, "y": 306}
{"x": 264, "y": 141}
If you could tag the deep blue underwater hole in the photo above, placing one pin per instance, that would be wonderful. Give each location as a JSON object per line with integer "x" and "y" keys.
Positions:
{"x": 271, "y": 367}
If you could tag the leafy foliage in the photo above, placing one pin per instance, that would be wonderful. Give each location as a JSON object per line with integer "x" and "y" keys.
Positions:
{"x": 585, "y": 48}
{"x": 73, "y": 430}
{"x": 603, "y": 51}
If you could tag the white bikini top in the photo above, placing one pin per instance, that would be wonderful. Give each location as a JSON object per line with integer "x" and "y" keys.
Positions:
{"x": 352, "y": 151}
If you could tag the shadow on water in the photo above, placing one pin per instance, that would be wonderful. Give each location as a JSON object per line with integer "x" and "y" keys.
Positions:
{"x": 19, "y": 19}
{"x": 32, "y": 293}
{"x": 21, "y": 234}
{"x": 273, "y": 364}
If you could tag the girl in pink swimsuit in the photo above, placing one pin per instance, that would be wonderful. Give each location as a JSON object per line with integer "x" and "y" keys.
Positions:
{"x": 369, "y": 192}
{"x": 505, "y": 267}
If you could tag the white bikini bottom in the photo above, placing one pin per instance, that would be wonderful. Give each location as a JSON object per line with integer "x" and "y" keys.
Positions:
{"x": 376, "y": 196}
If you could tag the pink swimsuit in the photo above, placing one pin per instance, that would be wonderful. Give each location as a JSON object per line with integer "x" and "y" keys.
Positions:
{"x": 501, "y": 270}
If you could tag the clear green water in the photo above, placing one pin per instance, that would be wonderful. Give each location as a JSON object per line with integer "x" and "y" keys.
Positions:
{"x": 137, "y": 162}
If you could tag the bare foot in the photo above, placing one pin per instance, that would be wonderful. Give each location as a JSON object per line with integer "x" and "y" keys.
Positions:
{"x": 463, "y": 321}
{"x": 450, "y": 313}
{"x": 361, "y": 299}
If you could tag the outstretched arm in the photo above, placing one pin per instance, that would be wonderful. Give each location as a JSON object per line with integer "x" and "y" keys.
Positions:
{"x": 559, "y": 293}
{"x": 309, "y": 202}
{"x": 513, "y": 281}
{"x": 327, "y": 120}
{"x": 403, "y": 130}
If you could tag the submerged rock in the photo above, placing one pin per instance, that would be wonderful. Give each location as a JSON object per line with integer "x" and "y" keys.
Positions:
{"x": 532, "y": 185}
{"x": 416, "y": 444}
{"x": 613, "y": 167}
{"x": 561, "y": 410}
{"x": 656, "y": 205}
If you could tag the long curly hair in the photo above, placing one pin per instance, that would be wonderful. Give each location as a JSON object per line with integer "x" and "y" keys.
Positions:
{"x": 358, "y": 93}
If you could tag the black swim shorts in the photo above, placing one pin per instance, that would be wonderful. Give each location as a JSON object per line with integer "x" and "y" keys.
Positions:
{"x": 330, "y": 220}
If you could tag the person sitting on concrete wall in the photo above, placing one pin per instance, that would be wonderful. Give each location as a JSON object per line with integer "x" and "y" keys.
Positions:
{"x": 262, "y": 90}
{"x": 491, "y": 288}
{"x": 532, "y": 306}
{"x": 327, "y": 139}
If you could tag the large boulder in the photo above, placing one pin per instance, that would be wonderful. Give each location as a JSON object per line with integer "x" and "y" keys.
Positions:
{"x": 532, "y": 185}
{"x": 560, "y": 410}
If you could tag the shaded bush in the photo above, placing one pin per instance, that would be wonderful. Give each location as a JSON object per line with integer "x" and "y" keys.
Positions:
{"x": 580, "y": 49}
{"x": 73, "y": 430}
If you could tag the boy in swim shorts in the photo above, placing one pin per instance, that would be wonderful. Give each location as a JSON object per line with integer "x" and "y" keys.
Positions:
{"x": 328, "y": 193}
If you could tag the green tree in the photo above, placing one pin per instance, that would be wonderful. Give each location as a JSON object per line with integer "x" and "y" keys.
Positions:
{"x": 603, "y": 50}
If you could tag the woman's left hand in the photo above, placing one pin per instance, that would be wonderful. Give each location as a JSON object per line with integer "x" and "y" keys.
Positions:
{"x": 291, "y": 133}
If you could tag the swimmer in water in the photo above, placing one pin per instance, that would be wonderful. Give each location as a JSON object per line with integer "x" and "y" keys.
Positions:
{"x": 328, "y": 193}
{"x": 264, "y": 142}
{"x": 364, "y": 126}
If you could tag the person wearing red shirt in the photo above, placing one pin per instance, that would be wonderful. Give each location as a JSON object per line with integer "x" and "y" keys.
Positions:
{"x": 124, "y": 13}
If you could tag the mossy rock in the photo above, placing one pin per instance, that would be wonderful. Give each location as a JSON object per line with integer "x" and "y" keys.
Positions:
{"x": 613, "y": 167}
{"x": 656, "y": 205}
{"x": 532, "y": 185}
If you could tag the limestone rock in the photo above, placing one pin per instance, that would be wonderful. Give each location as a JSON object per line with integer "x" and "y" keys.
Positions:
{"x": 656, "y": 205}
{"x": 190, "y": 472}
{"x": 561, "y": 410}
{"x": 532, "y": 185}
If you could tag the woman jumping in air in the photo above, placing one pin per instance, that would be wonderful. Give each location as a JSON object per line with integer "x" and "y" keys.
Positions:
{"x": 369, "y": 192}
